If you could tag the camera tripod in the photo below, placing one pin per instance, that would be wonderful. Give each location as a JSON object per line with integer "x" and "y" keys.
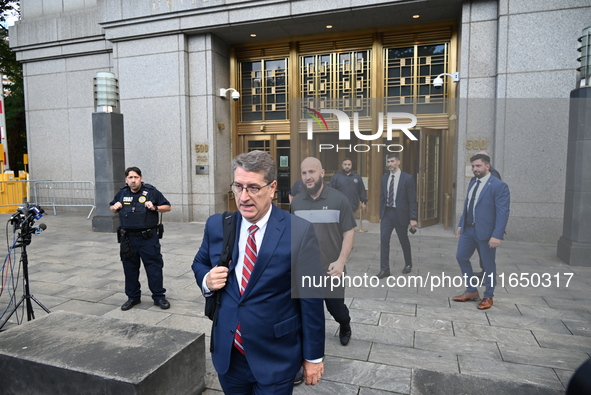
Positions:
{"x": 23, "y": 240}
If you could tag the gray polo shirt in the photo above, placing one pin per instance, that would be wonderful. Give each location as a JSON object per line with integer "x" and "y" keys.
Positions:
{"x": 331, "y": 215}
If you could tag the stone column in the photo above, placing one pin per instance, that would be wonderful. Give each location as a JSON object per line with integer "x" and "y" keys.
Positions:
{"x": 109, "y": 167}
{"x": 574, "y": 246}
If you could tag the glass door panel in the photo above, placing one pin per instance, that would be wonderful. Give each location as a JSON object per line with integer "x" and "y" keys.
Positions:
{"x": 429, "y": 177}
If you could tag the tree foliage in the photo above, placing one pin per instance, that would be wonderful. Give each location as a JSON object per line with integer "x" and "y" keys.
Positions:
{"x": 14, "y": 100}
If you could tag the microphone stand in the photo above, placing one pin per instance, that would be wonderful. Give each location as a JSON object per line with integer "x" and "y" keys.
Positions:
{"x": 25, "y": 239}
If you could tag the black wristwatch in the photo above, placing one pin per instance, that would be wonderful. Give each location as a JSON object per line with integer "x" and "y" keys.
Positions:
{"x": 155, "y": 208}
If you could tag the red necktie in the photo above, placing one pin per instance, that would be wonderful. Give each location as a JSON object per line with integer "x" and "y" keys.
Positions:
{"x": 250, "y": 258}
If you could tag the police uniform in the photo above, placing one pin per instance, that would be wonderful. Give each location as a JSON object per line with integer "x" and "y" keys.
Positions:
{"x": 139, "y": 233}
{"x": 350, "y": 185}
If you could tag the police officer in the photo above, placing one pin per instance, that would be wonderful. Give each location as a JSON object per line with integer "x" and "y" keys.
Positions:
{"x": 138, "y": 205}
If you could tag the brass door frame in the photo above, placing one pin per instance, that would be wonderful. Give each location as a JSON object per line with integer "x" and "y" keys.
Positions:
{"x": 429, "y": 178}
{"x": 273, "y": 148}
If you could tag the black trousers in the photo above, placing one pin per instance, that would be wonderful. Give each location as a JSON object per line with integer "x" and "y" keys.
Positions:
{"x": 388, "y": 223}
{"x": 148, "y": 252}
{"x": 335, "y": 304}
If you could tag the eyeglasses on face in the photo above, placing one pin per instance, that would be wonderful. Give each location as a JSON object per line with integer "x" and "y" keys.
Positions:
{"x": 251, "y": 190}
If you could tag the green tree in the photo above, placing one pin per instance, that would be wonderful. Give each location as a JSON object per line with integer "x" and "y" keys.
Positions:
{"x": 14, "y": 100}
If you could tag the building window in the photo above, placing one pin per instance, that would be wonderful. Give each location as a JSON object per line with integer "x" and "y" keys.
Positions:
{"x": 336, "y": 80}
{"x": 264, "y": 90}
{"x": 409, "y": 73}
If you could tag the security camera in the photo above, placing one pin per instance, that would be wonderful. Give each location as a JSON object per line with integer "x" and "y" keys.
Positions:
{"x": 235, "y": 94}
{"x": 438, "y": 82}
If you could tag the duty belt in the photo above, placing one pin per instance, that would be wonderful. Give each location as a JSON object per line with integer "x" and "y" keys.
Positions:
{"x": 146, "y": 233}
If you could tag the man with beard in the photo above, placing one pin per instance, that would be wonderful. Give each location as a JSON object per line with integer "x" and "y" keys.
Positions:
{"x": 398, "y": 210}
{"x": 330, "y": 213}
{"x": 482, "y": 226}
{"x": 350, "y": 184}
{"x": 493, "y": 172}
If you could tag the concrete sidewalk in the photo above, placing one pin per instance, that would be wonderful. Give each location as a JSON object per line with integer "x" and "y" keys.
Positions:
{"x": 409, "y": 336}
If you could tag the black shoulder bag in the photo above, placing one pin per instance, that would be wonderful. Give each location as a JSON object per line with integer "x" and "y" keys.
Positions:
{"x": 213, "y": 303}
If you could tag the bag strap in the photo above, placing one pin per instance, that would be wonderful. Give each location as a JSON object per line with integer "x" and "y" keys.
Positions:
{"x": 229, "y": 237}
{"x": 227, "y": 246}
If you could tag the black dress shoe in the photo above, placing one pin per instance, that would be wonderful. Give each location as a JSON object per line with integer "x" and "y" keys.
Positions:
{"x": 384, "y": 274}
{"x": 345, "y": 334}
{"x": 129, "y": 304}
{"x": 163, "y": 303}
{"x": 407, "y": 269}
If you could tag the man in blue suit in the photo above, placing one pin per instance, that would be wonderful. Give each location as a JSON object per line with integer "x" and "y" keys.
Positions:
{"x": 398, "y": 210}
{"x": 263, "y": 333}
{"x": 482, "y": 225}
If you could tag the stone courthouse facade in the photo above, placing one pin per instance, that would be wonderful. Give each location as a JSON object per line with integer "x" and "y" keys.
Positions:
{"x": 516, "y": 61}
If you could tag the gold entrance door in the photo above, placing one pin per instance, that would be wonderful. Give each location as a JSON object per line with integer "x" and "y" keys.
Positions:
{"x": 278, "y": 145}
{"x": 429, "y": 177}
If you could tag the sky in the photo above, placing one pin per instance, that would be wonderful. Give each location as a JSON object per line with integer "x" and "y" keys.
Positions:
{"x": 11, "y": 18}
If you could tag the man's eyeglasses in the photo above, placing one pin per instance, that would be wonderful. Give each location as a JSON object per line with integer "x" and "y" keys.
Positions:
{"x": 252, "y": 191}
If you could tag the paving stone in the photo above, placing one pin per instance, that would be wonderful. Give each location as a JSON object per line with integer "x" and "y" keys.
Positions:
{"x": 367, "y": 374}
{"x": 356, "y": 349}
{"x": 550, "y": 312}
{"x": 563, "y": 342}
{"x": 406, "y": 297}
{"x": 416, "y": 323}
{"x": 364, "y": 316}
{"x": 528, "y": 322}
{"x": 379, "y": 305}
{"x": 507, "y": 371}
{"x": 457, "y": 345}
{"x": 427, "y": 382}
{"x": 83, "y": 307}
{"x": 507, "y": 336}
{"x": 564, "y": 376}
{"x": 327, "y": 387}
{"x": 380, "y": 334}
{"x": 464, "y": 312}
{"x": 579, "y": 328}
{"x": 414, "y": 358}
{"x": 537, "y": 356}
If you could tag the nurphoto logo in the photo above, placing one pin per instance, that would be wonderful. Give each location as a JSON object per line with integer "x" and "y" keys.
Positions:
{"x": 392, "y": 123}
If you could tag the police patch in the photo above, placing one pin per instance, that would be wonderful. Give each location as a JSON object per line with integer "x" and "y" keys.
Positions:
{"x": 141, "y": 199}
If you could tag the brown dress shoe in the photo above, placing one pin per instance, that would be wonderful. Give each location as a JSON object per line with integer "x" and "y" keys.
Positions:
{"x": 466, "y": 296}
{"x": 485, "y": 304}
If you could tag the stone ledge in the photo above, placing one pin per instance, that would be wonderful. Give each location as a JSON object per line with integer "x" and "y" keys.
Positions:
{"x": 72, "y": 353}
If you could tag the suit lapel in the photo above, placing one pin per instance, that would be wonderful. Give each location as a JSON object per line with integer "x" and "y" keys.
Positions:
{"x": 484, "y": 189}
{"x": 232, "y": 282}
{"x": 400, "y": 182}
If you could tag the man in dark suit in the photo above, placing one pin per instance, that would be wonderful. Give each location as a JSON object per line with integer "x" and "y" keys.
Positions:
{"x": 398, "y": 210}
{"x": 262, "y": 335}
{"x": 494, "y": 172}
{"x": 482, "y": 225}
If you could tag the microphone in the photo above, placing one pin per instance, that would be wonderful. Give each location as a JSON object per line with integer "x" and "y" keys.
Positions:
{"x": 40, "y": 228}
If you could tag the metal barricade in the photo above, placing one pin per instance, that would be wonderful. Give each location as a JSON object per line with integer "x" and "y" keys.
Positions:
{"x": 64, "y": 194}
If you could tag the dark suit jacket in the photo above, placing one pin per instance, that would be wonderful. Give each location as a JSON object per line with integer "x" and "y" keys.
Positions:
{"x": 406, "y": 198}
{"x": 491, "y": 211}
{"x": 278, "y": 331}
